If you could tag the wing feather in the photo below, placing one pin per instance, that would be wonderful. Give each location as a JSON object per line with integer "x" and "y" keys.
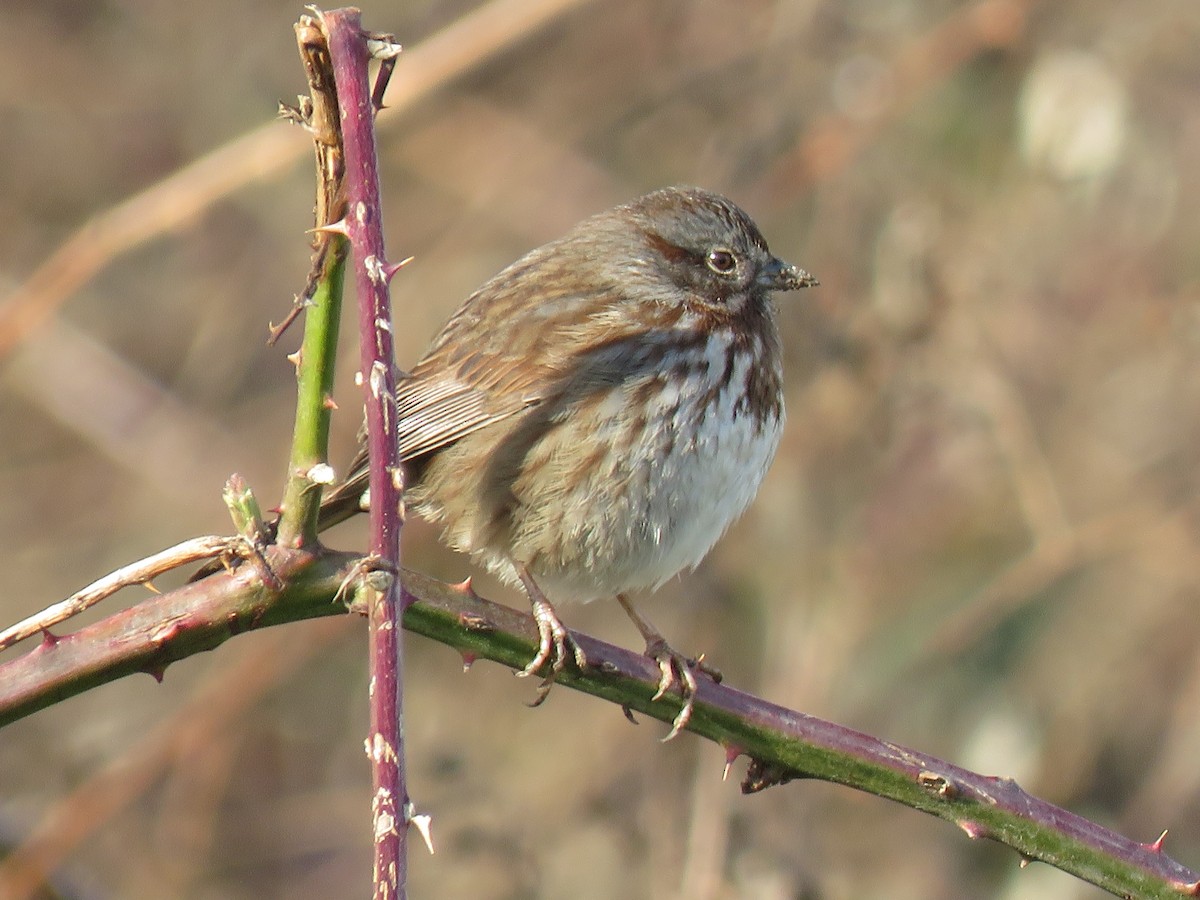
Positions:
{"x": 435, "y": 412}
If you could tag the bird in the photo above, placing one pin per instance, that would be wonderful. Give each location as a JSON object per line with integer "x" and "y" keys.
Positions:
{"x": 594, "y": 417}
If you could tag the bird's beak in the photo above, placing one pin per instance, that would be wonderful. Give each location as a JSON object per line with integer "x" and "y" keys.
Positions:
{"x": 778, "y": 275}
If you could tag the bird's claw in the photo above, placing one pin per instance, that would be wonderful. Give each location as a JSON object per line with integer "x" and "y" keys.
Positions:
{"x": 555, "y": 647}
{"x": 676, "y": 669}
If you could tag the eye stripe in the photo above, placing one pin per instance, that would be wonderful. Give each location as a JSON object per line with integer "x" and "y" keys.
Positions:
{"x": 669, "y": 251}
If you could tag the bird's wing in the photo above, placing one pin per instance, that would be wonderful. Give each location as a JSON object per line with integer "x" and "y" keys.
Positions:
{"x": 439, "y": 409}
{"x": 433, "y": 411}
{"x": 498, "y": 356}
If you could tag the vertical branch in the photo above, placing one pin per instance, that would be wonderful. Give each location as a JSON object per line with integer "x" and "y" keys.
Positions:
{"x": 308, "y": 466}
{"x": 350, "y": 54}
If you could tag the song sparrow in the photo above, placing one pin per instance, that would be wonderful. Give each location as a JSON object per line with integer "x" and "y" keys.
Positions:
{"x": 594, "y": 417}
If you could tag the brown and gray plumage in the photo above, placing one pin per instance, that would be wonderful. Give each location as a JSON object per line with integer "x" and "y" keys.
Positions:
{"x": 594, "y": 417}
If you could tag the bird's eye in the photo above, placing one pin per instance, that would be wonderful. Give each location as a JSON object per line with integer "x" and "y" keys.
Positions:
{"x": 721, "y": 261}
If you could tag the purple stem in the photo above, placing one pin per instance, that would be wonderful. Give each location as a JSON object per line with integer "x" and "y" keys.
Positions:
{"x": 385, "y": 744}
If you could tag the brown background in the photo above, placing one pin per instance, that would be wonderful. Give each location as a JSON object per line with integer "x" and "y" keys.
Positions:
{"x": 979, "y": 538}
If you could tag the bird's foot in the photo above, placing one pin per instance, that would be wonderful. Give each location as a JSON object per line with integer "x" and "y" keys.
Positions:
{"x": 555, "y": 644}
{"x": 674, "y": 668}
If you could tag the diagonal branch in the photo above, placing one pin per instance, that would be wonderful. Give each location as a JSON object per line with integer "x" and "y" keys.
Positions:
{"x": 782, "y": 744}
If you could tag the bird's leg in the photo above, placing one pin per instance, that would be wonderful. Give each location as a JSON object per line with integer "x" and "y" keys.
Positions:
{"x": 674, "y": 668}
{"x": 554, "y": 641}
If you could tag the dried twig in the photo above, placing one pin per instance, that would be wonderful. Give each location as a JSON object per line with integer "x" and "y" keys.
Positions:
{"x": 140, "y": 572}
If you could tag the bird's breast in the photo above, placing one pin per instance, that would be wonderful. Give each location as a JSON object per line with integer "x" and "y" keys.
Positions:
{"x": 639, "y": 480}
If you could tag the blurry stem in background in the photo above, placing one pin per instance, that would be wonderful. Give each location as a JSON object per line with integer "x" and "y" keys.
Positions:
{"x": 832, "y": 142}
{"x": 350, "y": 51}
{"x": 827, "y": 147}
{"x": 265, "y": 152}
{"x": 221, "y": 705}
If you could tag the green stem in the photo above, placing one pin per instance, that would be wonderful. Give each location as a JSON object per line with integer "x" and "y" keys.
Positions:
{"x": 314, "y": 374}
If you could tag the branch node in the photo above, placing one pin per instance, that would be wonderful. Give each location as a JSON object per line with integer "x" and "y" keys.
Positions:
{"x": 762, "y": 774}
{"x": 322, "y": 474}
{"x": 939, "y": 785}
{"x": 476, "y": 622}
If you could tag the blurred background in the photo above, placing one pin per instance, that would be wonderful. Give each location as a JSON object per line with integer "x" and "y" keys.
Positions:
{"x": 979, "y": 538}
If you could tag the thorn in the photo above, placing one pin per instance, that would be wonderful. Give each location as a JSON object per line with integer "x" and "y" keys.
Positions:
{"x": 422, "y": 823}
{"x": 468, "y": 659}
{"x": 329, "y": 403}
{"x": 166, "y": 633}
{"x": 338, "y": 227}
{"x": 1157, "y": 846}
{"x": 156, "y": 672}
{"x": 49, "y": 639}
{"x": 974, "y": 830}
{"x": 275, "y": 332}
{"x": 464, "y": 587}
{"x": 151, "y": 588}
{"x": 294, "y": 359}
{"x": 390, "y": 269}
{"x": 713, "y": 673}
{"x": 628, "y": 714}
{"x": 732, "y": 752}
{"x": 1025, "y": 861}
